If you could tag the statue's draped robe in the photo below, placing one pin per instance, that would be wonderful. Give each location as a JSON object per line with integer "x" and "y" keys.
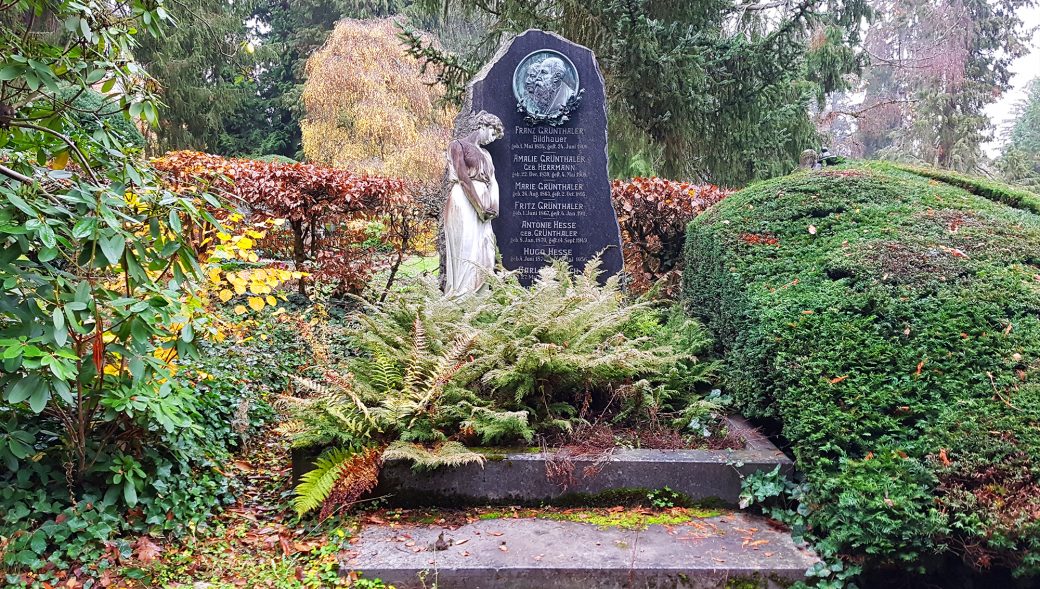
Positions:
{"x": 469, "y": 242}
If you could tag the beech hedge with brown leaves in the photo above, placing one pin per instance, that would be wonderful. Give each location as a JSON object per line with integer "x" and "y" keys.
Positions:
{"x": 312, "y": 198}
{"x": 653, "y": 213}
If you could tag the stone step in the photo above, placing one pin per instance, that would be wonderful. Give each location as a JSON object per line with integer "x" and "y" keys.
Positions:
{"x": 728, "y": 550}
{"x": 526, "y": 477}
{"x": 619, "y": 476}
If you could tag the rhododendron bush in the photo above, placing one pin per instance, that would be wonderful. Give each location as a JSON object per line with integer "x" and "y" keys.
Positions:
{"x": 320, "y": 205}
{"x": 653, "y": 213}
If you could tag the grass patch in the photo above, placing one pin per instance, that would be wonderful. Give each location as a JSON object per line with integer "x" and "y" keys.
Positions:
{"x": 889, "y": 319}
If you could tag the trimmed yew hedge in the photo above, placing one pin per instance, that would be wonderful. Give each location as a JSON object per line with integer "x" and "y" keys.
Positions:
{"x": 889, "y": 320}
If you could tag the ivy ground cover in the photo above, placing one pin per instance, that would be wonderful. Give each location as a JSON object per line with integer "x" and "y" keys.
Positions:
{"x": 890, "y": 323}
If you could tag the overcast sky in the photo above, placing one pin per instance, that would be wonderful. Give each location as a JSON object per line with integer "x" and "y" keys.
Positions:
{"x": 1026, "y": 68}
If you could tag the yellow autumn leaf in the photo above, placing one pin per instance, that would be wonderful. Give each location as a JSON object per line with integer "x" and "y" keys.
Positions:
{"x": 240, "y": 309}
{"x": 271, "y": 300}
{"x": 255, "y": 234}
{"x": 225, "y": 295}
{"x": 256, "y": 303}
{"x": 214, "y": 276}
{"x": 223, "y": 236}
{"x": 244, "y": 243}
{"x": 60, "y": 161}
{"x": 253, "y": 257}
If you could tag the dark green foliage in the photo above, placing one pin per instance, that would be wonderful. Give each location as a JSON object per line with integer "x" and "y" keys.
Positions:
{"x": 936, "y": 66}
{"x": 1020, "y": 162}
{"x": 1013, "y": 197}
{"x": 178, "y": 483}
{"x": 204, "y": 69}
{"x": 890, "y": 320}
{"x": 97, "y": 115}
{"x": 498, "y": 366}
{"x": 714, "y": 90}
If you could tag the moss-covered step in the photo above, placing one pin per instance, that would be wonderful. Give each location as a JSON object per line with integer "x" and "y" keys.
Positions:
{"x": 729, "y": 550}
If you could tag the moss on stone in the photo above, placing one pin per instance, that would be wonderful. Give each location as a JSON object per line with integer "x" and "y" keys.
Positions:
{"x": 625, "y": 519}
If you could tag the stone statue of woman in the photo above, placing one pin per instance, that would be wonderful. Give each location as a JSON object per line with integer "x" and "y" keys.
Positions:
{"x": 469, "y": 242}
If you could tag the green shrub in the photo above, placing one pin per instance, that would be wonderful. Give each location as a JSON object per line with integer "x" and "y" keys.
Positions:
{"x": 101, "y": 118}
{"x": 175, "y": 477}
{"x": 890, "y": 320}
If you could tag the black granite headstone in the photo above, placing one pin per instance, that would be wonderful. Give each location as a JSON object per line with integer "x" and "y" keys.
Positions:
{"x": 551, "y": 164}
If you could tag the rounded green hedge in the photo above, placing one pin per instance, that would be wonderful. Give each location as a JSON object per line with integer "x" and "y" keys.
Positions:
{"x": 94, "y": 112}
{"x": 889, "y": 319}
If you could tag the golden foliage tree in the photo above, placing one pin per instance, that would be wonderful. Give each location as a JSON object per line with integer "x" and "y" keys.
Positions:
{"x": 371, "y": 109}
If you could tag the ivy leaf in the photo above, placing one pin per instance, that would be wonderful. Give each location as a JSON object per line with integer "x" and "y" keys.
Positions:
{"x": 38, "y": 542}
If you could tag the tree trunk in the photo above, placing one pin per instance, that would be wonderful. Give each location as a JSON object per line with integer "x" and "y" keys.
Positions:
{"x": 299, "y": 253}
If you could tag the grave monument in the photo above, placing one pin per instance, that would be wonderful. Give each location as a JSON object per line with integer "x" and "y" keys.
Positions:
{"x": 550, "y": 164}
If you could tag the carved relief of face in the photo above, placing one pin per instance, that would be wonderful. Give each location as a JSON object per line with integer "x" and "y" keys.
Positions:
{"x": 543, "y": 81}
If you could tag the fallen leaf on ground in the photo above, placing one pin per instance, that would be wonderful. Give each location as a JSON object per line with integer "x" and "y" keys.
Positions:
{"x": 146, "y": 550}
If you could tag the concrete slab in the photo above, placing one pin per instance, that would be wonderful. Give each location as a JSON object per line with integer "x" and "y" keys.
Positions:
{"x": 543, "y": 554}
{"x": 524, "y": 478}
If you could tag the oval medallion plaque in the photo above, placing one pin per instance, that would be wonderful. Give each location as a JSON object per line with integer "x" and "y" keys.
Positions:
{"x": 546, "y": 87}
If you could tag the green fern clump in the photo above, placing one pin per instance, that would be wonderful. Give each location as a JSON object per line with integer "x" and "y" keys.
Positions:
{"x": 499, "y": 426}
{"x": 499, "y": 366}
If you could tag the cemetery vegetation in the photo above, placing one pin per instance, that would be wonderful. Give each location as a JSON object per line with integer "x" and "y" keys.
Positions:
{"x": 717, "y": 91}
{"x": 1020, "y": 162}
{"x": 328, "y": 213}
{"x": 888, "y": 320}
{"x": 423, "y": 377}
{"x": 652, "y": 214}
{"x": 923, "y": 95}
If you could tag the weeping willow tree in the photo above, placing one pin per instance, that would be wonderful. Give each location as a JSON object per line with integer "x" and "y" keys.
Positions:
{"x": 713, "y": 90}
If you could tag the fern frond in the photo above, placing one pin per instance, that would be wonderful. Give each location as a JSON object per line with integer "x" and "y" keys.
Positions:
{"x": 447, "y": 454}
{"x": 316, "y": 485}
{"x": 496, "y": 426}
{"x": 308, "y": 384}
{"x": 414, "y": 370}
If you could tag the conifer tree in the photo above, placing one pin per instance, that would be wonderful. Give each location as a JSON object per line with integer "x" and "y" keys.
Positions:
{"x": 714, "y": 90}
{"x": 934, "y": 66}
{"x": 1020, "y": 162}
